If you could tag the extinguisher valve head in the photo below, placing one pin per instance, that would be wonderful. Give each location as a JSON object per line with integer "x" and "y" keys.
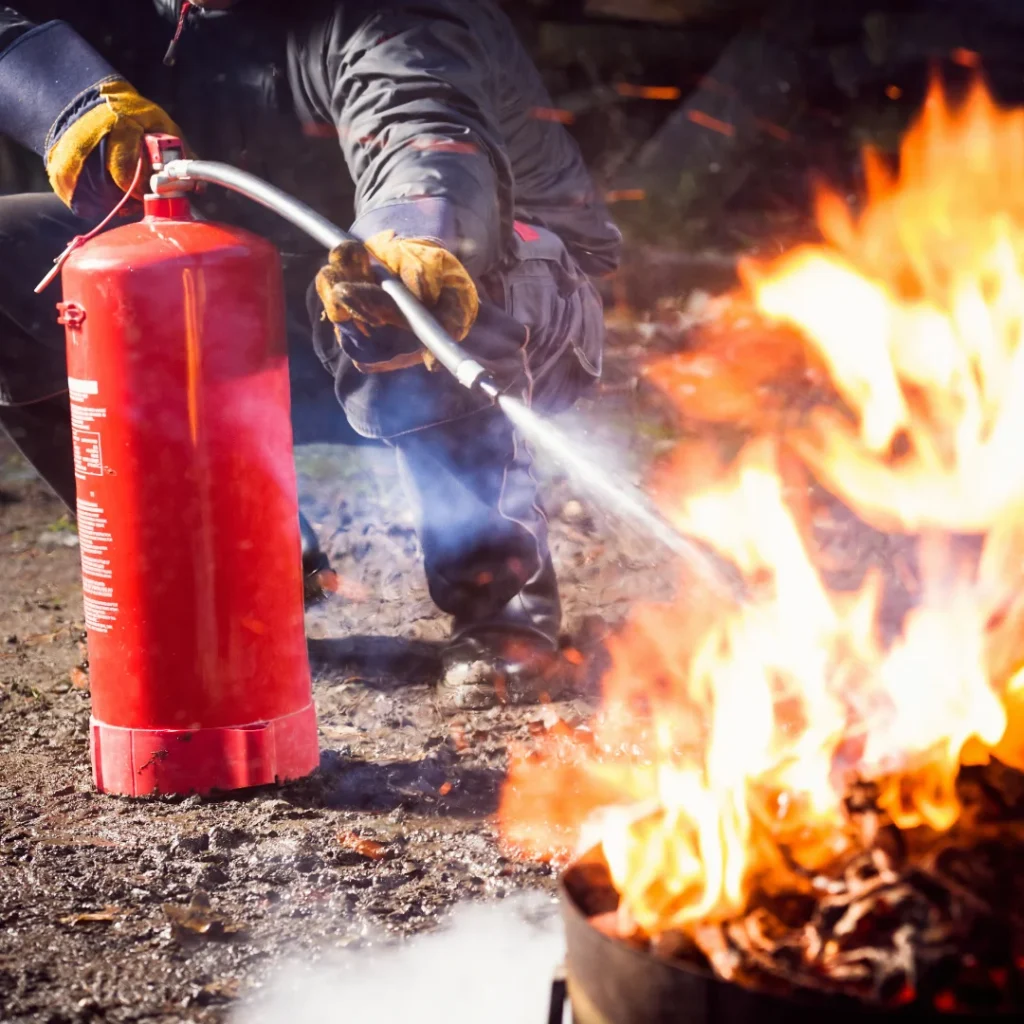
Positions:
{"x": 162, "y": 149}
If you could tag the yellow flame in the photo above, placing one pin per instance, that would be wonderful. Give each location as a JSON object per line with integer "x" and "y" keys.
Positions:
{"x": 728, "y": 738}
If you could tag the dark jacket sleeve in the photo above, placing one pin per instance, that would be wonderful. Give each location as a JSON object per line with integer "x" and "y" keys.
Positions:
{"x": 12, "y": 25}
{"x": 412, "y": 97}
{"x": 48, "y": 77}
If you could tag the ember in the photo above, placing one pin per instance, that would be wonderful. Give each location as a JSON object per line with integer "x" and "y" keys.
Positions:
{"x": 783, "y": 792}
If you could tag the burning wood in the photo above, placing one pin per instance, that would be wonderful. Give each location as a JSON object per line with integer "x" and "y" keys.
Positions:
{"x": 796, "y": 793}
{"x": 894, "y": 930}
{"x": 909, "y": 917}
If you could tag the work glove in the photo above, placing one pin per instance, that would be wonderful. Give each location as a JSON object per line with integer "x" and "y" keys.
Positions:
{"x": 121, "y": 120}
{"x": 351, "y": 293}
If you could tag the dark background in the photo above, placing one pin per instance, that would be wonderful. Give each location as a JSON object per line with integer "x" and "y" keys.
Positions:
{"x": 841, "y": 60}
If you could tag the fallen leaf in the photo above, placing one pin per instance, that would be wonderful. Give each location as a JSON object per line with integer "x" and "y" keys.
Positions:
{"x": 199, "y": 918}
{"x": 79, "y": 678}
{"x": 40, "y": 638}
{"x": 224, "y": 989}
{"x": 364, "y": 847}
{"x": 104, "y": 916}
{"x": 354, "y": 680}
{"x": 342, "y": 734}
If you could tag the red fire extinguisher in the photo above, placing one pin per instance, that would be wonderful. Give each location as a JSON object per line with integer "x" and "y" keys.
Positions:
{"x": 187, "y": 509}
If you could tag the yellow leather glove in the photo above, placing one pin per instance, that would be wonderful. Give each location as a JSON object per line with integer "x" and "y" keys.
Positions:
{"x": 351, "y": 293}
{"x": 123, "y": 118}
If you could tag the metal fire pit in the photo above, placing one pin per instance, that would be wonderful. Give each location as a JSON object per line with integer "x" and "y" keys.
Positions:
{"x": 610, "y": 982}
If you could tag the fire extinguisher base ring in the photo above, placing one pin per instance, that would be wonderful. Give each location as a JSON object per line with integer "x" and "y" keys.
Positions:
{"x": 180, "y": 762}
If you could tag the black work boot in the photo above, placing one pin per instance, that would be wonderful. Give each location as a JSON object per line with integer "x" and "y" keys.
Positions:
{"x": 485, "y": 552}
{"x": 512, "y": 657}
{"x": 318, "y": 578}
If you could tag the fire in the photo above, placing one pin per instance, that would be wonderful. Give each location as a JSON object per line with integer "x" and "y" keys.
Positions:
{"x": 729, "y": 738}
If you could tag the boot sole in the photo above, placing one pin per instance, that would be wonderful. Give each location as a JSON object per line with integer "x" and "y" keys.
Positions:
{"x": 480, "y": 694}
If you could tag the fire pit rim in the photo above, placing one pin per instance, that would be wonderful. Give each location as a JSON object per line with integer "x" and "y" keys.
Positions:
{"x": 618, "y": 948}
{"x": 806, "y": 1000}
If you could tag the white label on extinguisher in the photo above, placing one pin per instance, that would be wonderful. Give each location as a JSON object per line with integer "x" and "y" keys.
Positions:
{"x": 80, "y": 390}
{"x": 96, "y": 588}
{"x": 88, "y": 445}
{"x": 94, "y": 543}
{"x": 100, "y": 616}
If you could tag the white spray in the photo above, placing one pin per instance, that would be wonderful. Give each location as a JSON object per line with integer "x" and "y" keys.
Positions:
{"x": 489, "y": 962}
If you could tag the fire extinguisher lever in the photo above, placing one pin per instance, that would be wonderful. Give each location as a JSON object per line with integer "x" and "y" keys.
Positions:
{"x": 162, "y": 149}
{"x": 177, "y": 175}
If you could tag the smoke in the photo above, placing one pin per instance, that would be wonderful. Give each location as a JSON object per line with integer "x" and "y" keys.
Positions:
{"x": 489, "y": 962}
{"x": 618, "y": 495}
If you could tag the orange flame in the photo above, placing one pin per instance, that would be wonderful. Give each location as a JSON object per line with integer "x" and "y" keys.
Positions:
{"x": 728, "y": 738}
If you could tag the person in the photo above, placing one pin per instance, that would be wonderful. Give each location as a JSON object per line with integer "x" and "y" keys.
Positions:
{"x": 453, "y": 174}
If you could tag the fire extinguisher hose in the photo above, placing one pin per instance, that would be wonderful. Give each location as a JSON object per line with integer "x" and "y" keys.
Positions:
{"x": 177, "y": 174}
{"x": 718, "y": 575}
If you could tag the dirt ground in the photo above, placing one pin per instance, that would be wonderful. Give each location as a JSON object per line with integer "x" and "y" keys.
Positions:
{"x": 173, "y": 910}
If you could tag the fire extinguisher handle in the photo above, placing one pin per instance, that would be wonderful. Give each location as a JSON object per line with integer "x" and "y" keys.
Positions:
{"x": 176, "y": 175}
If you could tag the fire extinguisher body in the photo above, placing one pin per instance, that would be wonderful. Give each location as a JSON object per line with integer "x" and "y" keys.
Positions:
{"x": 187, "y": 508}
